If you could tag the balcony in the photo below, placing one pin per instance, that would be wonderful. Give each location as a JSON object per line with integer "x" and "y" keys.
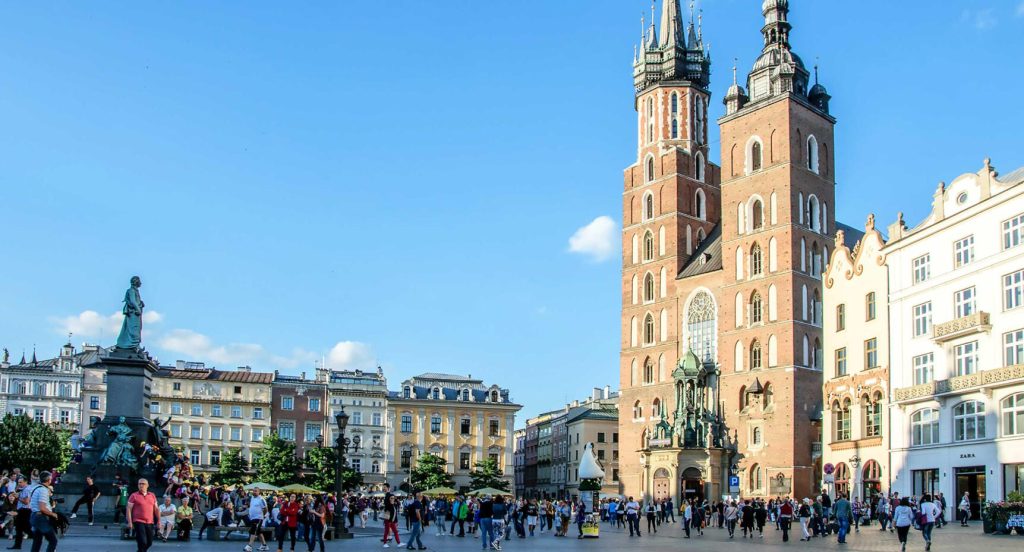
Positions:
{"x": 960, "y": 384}
{"x": 965, "y": 325}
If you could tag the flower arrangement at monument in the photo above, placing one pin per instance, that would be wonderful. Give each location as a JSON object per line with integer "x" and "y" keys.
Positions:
{"x": 1004, "y": 516}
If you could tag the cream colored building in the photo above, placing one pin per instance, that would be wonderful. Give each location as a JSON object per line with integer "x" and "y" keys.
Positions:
{"x": 956, "y": 311}
{"x": 596, "y": 421}
{"x": 458, "y": 418}
{"x": 855, "y": 423}
{"x": 364, "y": 396}
{"x": 212, "y": 411}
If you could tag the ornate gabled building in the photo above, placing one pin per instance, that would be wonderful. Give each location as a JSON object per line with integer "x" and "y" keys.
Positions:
{"x": 364, "y": 396}
{"x": 455, "y": 417}
{"x": 721, "y": 327}
{"x": 855, "y": 425}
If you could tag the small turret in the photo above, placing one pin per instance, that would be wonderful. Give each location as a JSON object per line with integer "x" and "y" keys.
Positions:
{"x": 674, "y": 58}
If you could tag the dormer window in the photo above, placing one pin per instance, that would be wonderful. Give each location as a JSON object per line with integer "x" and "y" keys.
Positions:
{"x": 435, "y": 393}
{"x": 494, "y": 395}
{"x": 465, "y": 395}
{"x": 408, "y": 392}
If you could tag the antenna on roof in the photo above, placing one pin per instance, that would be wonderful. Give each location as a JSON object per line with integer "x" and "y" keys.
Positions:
{"x": 735, "y": 61}
{"x": 816, "y": 70}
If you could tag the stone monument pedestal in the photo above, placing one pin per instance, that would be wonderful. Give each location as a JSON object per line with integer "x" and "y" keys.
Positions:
{"x": 129, "y": 384}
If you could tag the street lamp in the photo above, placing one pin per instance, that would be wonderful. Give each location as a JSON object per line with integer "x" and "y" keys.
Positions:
{"x": 340, "y": 444}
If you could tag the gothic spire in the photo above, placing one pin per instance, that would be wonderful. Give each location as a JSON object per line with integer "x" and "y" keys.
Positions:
{"x": 671, "y": 24}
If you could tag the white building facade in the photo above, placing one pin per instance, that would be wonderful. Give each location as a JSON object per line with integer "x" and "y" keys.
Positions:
{"x": 364, "y": 396}
{"x": 956, "y": 308}
{"x": 48, "y": 391}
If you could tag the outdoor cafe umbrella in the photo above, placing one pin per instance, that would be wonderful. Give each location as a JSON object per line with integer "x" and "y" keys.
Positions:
{"x": 490, "y": 491}
{"x": 261, "y": 486}
{"x": 439, "y": 491}
{"x": 299, "y": 488}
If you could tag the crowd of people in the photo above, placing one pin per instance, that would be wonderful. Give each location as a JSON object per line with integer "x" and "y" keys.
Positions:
{"x": 188, "y": 506}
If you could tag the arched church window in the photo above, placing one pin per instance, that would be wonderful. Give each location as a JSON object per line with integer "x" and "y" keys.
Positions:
{"x": 648, "y": 246}
{"x": 755, "y": 156}
{"x": 701, "y": 326}
{"x": 650, "y": 169}
{"x": 698, "y": 167}
{"x": 756, "y": 215}
{"x": 648, "y": 371}
{"x": 648, "y": 330}
{"x": 699, "y": 205}
{"x": 648, "y": 288}
{"x": 755, "y": 355}
{"x": 756, "y": 262}
{"x": 648, "y": 206}
{"x": 756, "y": 308}
{"x": 812, "y": 154}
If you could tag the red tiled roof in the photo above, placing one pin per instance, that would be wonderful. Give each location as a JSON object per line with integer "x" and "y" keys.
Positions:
{"x": 217, "y": 375}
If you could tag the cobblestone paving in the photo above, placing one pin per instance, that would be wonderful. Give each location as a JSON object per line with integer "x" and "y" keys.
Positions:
{"x": 669, "y": 537}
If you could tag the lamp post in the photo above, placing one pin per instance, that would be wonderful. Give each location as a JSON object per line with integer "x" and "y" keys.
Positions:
{"x": 340, "y": 445}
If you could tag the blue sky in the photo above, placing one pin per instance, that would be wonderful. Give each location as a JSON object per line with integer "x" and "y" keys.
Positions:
{"x": 398, "y": 182}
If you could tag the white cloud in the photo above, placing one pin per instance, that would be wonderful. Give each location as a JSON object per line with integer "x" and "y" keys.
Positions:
{"x": 351, "y": 355}
{"x": 596, "y": 240}
{"x": 197, "y": 346}
{"x": 90, "y": 324}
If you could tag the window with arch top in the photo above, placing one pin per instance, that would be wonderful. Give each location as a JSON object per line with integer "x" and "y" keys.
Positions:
{"x": 924, "y": 427}
{"x": 638, "y": 410}
{"x": 755, "y": 355}
{"x": 700, "y": 205}
{"x": 648, "y": 206}
{"x": 756, "y": 215}
{"x": 812, "y": 154}
{"x": 649, "y": 288}
{"x": 649, "y": 330}
{"x": 756, "y": 308}
{"x": 756, "y": 261}
{"x": 698, "y": 167}
{"x": 755, "y": 156}
{"x": 648, "y": 245}
{"x": 650, "y": 169}
{"x": 656, "y": 408}
{"x": 648, "y": 371}
{"x": 675, "y": 115}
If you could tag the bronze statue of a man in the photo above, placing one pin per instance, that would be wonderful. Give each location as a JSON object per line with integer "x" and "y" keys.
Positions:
{"x": 130, "y": 337}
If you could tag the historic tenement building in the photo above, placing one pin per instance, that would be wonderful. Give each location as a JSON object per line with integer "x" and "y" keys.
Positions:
{"x": 298, "y": 410}
{"x": 721, "y": 313}
{"x": 856, "y": 392}
{"x": 956, "y": 316}
{"x": 455, "y": 417}
{"x": 595, "y": 421}
{"x": 212, "y": 411}
{"x": 48, "y": 390}
{"x": 364, "y": 397}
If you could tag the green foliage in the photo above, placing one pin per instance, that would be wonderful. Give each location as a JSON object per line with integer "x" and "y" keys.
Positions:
{"x": 1015, "y": 496}
{"x": 320, "y": 466}
{"x": 487, "y": 474}
{"x": 590, "y": 485}
{"x": 232, "y": 469}
{"x": 350, "y": 479}
{"x": 276, "y": 463}
{"x": 30, "y": 445}
{"x": 430, "y": 472}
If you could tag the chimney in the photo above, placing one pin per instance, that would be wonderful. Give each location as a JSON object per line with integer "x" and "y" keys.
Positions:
{"x": 303, "y": 376}
{"x": 575, "y": 403}
{"x": 596, "y": 394}
{"x": 179, "y": 364}
{"x": 607, "y": 392}
{"x": 276, "y": 374}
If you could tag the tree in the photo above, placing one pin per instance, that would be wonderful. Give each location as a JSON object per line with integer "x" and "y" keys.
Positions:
{"x": 487, "y": 474}
{"x": 232, "y": 469}
{"x": 29, "y": 445}
{"x": 276, "y": 463}
{"x": 321, "y": 464}
{"x": 430, "y": 472}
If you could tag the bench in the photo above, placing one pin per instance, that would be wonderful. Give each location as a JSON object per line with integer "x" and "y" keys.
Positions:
{"x": 215, "y": 532}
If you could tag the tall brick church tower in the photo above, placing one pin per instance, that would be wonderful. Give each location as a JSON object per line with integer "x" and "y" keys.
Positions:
{"x": 721, "y": 294}
{"x": 778, "y": 190}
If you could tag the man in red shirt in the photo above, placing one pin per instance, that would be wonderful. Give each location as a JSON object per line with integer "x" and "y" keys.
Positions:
{"x": 142, "y": 515}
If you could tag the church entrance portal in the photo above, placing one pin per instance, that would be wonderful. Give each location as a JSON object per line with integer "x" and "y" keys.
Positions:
{"x": 693, "y": 485}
